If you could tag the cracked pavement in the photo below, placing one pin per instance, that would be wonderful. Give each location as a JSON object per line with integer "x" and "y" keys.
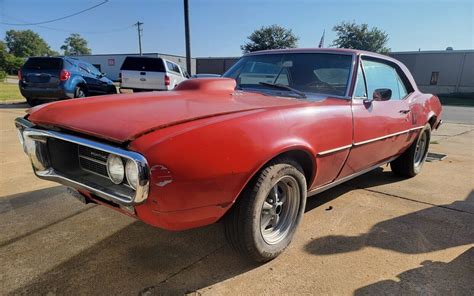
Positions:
{"x": 376, "y": 234}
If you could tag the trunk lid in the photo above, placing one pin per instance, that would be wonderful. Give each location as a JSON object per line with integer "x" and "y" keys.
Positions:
{"x": 143, "y": 73}
{"x": 42, "y": 72}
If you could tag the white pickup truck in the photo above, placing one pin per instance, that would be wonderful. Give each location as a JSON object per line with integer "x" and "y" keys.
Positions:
{"x": 147, "y": 74}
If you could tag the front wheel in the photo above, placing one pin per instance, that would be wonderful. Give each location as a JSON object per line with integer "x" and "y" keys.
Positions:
{"x": 264, "y": 219}
{"x": 409, "y": 164}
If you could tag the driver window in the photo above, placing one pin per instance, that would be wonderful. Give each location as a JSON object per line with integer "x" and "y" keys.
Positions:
{"x": 383, "y": 76}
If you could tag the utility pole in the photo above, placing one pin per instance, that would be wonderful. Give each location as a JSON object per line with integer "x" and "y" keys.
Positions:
{"x": 186, "y": 33}
{"x": 140, "y": 30}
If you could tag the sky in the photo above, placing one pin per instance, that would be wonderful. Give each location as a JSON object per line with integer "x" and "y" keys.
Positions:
{"x": 218, "y": 28}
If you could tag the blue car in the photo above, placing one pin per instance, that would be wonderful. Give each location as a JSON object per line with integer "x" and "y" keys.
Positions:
{"x": 45, "y": 79}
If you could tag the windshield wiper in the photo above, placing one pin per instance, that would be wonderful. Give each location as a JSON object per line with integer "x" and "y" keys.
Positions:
{"x": 285, "y": 87}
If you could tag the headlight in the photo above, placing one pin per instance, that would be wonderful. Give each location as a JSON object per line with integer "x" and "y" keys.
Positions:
{"x": 115, "y": 168}
{"x": 131, "y": 171}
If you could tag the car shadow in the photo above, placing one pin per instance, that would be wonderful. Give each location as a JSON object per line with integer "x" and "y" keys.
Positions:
{"x": 431, "y": 229}
{"x": 373, "y": 178}
{"x": 137, "y": 258}
{"x": 432, "y": 278}
{"x": 142, "y": 259}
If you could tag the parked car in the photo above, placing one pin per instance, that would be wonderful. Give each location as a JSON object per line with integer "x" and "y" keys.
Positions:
{"x": 147, "y": 74}
{"x": 246, "y": 149}
{"x": 46, "y": 79}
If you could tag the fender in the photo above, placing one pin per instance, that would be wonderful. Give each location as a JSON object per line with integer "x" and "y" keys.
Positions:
{"x": 74, "y": 81}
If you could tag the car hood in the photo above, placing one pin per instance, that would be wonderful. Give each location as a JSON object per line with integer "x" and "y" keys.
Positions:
{"x": 124, "y": 117}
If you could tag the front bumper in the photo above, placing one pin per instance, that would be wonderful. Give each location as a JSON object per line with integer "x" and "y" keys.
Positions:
{"x": 34, "y": 143}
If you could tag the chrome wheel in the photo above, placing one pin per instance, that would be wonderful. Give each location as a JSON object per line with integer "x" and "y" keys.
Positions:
{"x": 420, "y": 151}
{"x": 280, "y": 210}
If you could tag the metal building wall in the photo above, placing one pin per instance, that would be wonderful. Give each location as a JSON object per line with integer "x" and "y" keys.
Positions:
{"x": 214, "y": 65}
{"x": 455, "y": 68}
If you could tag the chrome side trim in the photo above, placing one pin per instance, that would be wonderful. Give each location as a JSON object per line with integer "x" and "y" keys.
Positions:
{"x": 347, "y": 178}
{"x": 325, "y": 152}
{"x": 387, "y": 136}
{"x": 43, "y": 169}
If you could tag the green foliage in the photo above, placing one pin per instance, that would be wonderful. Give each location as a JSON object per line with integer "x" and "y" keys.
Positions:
{"x": 75, "y": 45}
{"x": 8, "y": 62}
{"x": 352, "y": 35}
{"x": 3, "y": 75}
{"x": 26, "y": 43}
{"x": 13, "y": 63}
{"x": 271, "y": 37}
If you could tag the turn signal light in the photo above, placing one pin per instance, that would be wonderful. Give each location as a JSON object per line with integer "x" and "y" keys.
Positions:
{"x": 65, "y": 75}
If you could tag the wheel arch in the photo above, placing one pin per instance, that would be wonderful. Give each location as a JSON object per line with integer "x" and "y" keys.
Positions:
{"x": 432, "y": 118}
{"x": 301, "y": 154}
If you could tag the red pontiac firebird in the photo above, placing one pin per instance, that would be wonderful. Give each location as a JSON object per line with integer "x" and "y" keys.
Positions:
{"x": 247, "y": 148}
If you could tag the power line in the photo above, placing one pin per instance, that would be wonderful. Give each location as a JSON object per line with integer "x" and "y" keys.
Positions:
{"x": 88, "y": 32}
{"x": 56, "y": 19}
{"x": 74, "y": 30}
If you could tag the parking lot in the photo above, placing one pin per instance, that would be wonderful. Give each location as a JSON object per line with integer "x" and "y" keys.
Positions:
{"x": 377, "y": 234}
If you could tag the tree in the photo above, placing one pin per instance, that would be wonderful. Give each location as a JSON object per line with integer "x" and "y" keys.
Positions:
{"x": 8, "y": 62}
{"x": 75, "y": 45}
{"x": 352, "y": 35}
{"x": 26, "y": 43}
{"x": 272, "y": 37}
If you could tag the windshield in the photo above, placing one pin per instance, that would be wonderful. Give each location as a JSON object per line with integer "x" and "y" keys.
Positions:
{"x": 318, "y": 73}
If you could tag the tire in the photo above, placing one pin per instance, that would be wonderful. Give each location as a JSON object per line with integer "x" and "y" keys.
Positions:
{"x": 33, "y": 102}
{"x": 251, "y": 226}
{"x": 112, "y": 90}
{"x": 409, "y": 164}
{"x": 80, "y": 92}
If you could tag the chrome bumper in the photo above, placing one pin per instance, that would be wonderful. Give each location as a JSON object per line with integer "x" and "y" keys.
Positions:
{"x": 34, "y": 144}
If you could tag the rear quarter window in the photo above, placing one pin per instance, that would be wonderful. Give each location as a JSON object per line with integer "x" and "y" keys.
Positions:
{"x": 143, "y": 64}
{"x": 43, "y": 64}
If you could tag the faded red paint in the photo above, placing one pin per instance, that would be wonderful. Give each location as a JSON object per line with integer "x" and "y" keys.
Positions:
{"x": 204, "y": 141}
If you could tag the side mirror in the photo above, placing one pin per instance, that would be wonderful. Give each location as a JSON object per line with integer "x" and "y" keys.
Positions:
{"x": 382, "y": 94}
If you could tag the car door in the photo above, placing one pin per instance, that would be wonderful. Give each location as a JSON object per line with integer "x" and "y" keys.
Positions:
{"x": 383, "y": 124}
{"x": 174, "y": 73}
{"x": 92, "y": 85}
{"x": 102, "y": 85}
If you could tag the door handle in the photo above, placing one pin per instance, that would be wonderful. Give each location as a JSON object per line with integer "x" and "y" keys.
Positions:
{"x": 404, "y": 111}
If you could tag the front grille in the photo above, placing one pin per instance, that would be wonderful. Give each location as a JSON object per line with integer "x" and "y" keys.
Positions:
{"x": 93, "y": 160}
{"x": 93, "y": 166}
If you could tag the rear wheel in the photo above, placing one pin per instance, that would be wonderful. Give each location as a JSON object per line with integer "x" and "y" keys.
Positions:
{"x": 409, "y": 164}
{"x": 80, "y": 92}
{"x": 32, "y": 102}
{"x": 264, "y": 219}
{"x": 112, "y": 90}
